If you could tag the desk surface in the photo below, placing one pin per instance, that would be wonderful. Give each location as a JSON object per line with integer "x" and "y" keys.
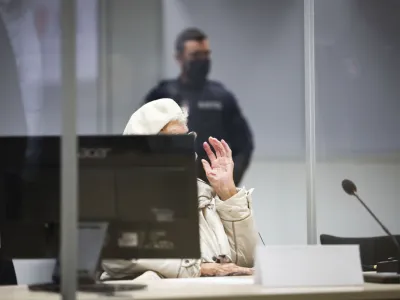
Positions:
{"x": 218, "y": 288}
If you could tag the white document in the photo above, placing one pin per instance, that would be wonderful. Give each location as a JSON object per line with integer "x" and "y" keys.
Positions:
{"x": 308, "y": 266}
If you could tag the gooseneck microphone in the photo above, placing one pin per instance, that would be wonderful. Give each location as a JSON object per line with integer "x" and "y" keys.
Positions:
{"x": 350, "y": 188}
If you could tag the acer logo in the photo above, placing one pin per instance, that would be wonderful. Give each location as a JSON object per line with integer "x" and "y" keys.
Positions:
{"x": 98, "y": 153}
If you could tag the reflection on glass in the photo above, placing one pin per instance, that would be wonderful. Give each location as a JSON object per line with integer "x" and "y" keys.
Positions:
{"x": 30, "y": 56}
{"x": 21, "y": 62}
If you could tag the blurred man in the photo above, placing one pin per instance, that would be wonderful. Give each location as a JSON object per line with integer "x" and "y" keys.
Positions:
{"x": 12, "y": 114}
{"x": 213, "y": 110}
{"x": 21, "y": 23}
{"x": 20, "y": 83}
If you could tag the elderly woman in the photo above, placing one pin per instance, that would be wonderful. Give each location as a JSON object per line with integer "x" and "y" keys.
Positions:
{"x": 227, "y": 232}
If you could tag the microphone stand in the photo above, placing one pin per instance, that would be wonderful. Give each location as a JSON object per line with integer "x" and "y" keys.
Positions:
{"x": 395, "y": 241}
{"x": 382, "y": 277}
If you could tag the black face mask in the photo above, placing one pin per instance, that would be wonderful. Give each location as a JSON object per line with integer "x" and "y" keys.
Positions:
{"x": 197, "y": 71}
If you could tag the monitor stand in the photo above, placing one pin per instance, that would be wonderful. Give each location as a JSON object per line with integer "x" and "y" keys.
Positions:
{"x": 91, "y": 238}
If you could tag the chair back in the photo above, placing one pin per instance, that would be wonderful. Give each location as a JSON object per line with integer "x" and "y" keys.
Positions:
{"x": 372, "y": 249}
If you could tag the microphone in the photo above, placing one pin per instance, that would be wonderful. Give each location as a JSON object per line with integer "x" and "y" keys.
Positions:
{"x": 350, "y": 188}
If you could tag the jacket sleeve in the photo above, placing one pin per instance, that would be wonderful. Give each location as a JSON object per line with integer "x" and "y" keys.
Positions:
{"x": 237, "y": 218}
{"x": 240, "y": 136}
{"x": 167, "y": 268}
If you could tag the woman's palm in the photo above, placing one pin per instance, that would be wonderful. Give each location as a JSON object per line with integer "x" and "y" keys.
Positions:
{"x": 220, "y": 169}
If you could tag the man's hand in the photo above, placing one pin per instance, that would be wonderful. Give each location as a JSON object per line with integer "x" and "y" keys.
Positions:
{"x": 220, "y": 171}
{"x": 229, "y": 269}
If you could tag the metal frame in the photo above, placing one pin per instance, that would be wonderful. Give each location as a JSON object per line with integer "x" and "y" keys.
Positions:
{"x": 309, "y": 80}
{"x": 104, "y": 116}
{"x": 69, "y": 195}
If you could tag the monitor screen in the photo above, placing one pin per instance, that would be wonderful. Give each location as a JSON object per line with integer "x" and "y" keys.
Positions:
{"x": 143, "y": 186}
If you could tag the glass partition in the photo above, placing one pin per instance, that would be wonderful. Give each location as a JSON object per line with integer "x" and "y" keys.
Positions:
{"x": 257, "y": 54}
{"x": 357, "y": 45}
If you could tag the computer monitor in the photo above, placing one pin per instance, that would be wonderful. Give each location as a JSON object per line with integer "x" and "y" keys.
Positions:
{"x": 143, "y": 187}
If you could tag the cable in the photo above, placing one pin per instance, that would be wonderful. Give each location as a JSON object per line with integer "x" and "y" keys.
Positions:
{"x": 259, "y": 234}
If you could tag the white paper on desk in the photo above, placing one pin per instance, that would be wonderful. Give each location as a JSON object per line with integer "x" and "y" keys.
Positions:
{"x": 257, "y": 267}
{"x": 308, "y": 266}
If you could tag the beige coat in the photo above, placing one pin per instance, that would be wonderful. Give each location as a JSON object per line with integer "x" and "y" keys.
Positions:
{"x": 226, "y": 227}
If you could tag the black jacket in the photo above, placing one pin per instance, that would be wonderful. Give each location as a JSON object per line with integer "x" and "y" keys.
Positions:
{"x": 213, "y": 111}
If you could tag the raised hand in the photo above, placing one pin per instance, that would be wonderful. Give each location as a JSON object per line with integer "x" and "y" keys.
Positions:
{"x": 219, "y": 170}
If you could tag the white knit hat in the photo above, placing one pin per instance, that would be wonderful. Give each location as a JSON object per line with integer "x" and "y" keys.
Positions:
{"x": 153, "y": 116}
